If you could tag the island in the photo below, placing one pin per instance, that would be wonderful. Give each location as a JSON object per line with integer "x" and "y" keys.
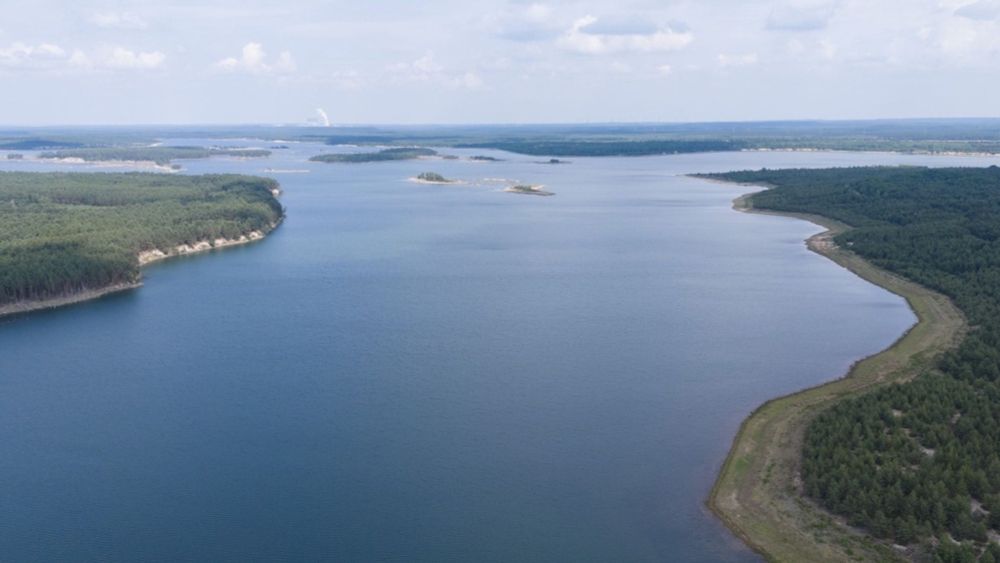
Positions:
{"x": 159, "y": 155}
{"x": 15, "y": 156}
{"x": 403, "y": 153}
{"x": 900, "y": 459}
{"x": 526, "y": 189}
{"x": 65, "y": 238}
{"x": 433, "y": 178}
{"x": 482, "y": 158}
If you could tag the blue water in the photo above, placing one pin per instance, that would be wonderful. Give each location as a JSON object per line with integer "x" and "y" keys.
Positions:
{"x": 429, "y": 373}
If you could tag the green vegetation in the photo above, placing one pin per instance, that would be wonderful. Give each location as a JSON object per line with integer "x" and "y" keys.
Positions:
{"x": 433, "y": 177}
{"x": 62, "y": 234}
{"x": 910, "y": 135}
{"x": 610, "y": 148}
{"x": 917, "y": 462}
{"x": 407, "y": 153}
{"x": 159, "y": 155}
{"x": 483, "y": 158}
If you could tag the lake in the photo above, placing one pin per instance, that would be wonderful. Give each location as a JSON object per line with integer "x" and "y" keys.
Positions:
{"x": 430, "y": 373}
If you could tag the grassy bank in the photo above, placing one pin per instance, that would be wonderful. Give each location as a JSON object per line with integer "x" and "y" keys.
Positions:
{"x": 758, "y": 492}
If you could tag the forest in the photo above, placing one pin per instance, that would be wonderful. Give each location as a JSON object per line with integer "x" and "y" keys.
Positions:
{"x": 609, "y": 147}
{"x": 402, "y": 153}
{"x": 63, "y": 233}
{"x": 915, "y": 463}
{"x": 159, "y": 155}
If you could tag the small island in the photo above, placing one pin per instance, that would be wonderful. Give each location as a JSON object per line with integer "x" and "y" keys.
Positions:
{"x": 482, "y": 158}
{"x": 402, "y": 153}
{"x": 526, "y": 189}
{"x": 556, "y": 161}
{"x": 433, "y": 178}
{"x": 15, "y": 156}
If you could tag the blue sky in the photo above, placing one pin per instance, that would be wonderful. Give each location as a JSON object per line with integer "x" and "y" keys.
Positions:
{"x": 444, "y": 61}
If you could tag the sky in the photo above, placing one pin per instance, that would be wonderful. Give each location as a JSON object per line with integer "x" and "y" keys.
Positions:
{"x": 495, "y": 61}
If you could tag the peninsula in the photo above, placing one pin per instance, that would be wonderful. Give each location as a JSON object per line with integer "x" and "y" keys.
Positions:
{"x": 901, "y": 458}
{"x": 70, "y": 237}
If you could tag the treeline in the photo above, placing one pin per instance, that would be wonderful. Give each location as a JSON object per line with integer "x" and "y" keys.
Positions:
{"x": 402, "y": 153}
{"x": 35, "y": 144}
{"x": 918, "y": 462}
{"x": 65, "y": 233}
{"x": 159, "y": 155}
{"x": 609, "y": 148}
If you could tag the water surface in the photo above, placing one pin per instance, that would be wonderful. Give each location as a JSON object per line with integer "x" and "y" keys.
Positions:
{"x": 430, "y": 373}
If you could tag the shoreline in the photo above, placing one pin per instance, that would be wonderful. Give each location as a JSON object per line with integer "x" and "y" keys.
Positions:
{"x": 141, "y": 164}
{"x": 22, "y": 307}
{"x": 151, "y": 256}
{"x": 757, "y": 493}
{"x": 145, "y": 258}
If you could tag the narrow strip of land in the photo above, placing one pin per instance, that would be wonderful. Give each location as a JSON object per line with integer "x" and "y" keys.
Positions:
{"x": 758, "y": 491}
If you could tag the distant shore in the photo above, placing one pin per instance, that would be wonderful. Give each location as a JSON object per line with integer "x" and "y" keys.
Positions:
{"x": 758, "y": 490}
{"x": 144, "y": 164}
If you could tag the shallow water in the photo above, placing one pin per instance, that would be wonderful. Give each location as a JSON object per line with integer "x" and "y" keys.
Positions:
{"x": 430, "y": 373}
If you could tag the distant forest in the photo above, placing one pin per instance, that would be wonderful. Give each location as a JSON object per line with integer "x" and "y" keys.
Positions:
{"x": 65, "y": 233}
{"x": 402, "y": 153}
{"x": 917, "y": 462}
{"x": 159, "y": 155}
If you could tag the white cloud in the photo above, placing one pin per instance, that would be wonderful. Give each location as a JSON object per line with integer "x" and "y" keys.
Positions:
{"x": 981, "y": 10}
{"x": 745, "y": 59}
{"x": 469, "y": 81}
{"x": 253, "y": 59}
{"x": 535, "y": 22}
{"x": 118, "y": 20}
{"x": 31, "y": 56}
{"x": 428, "y": 70}
{"x": 116, "y": 58}
{"x": 124, "y": 58}
{"x": 665, "y": 70}
{"x": 801, "y": 15}
{"x": 587, "y": 36}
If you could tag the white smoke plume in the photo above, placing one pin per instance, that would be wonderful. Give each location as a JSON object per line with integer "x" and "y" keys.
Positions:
{"x": 325, "y": 119}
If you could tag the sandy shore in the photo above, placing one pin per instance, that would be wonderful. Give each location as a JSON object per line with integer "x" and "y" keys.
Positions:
{"x": 143, "y": 164}
{"x": 156, "y": 254}
{"x": 758, "y": 493}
